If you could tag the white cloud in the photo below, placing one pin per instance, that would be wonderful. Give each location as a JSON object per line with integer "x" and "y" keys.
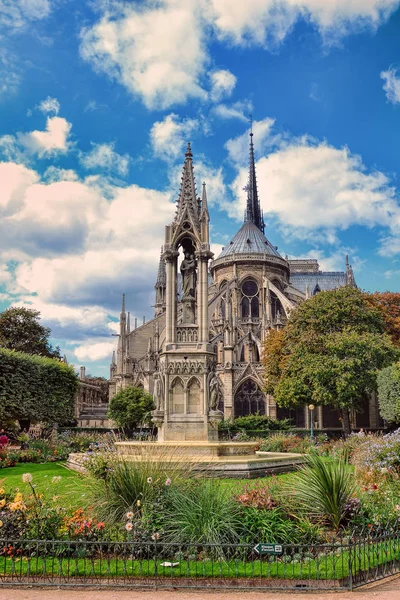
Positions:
{"x": 159, "y": 50}
{"x": 238, "y": 148}
{"x": 155, "y": 50}
{"x": 169, "y": 136}
{"x": 267, "y": 22}
{"x": 104, "y": 157}
{"x": 53, "y": 174}
{"x": 222, "y": 84}
{"x": 16, "y": 14}
{"x": 311, "y": 190}
{"x": 237, "y": 110}
{"x": 49, "y": 105}
{"x": 44, "y": 143}
{"x": 94, "y": 350}
{"x": 391, "y": 85}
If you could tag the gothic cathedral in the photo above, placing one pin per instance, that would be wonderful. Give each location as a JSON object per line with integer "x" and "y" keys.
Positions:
{"x": 200, "y": 355}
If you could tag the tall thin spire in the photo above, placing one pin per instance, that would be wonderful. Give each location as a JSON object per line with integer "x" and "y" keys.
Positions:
{"x": 187, "y": 201}
{"x": 253, "y": 211}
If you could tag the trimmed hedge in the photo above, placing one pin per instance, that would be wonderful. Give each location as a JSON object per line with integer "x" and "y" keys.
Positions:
{"x": 36, "y": 388}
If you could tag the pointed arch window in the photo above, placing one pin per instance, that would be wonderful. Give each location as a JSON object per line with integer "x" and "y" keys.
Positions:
{"x": 194, "y": 396}
{"x": 177, "y": 397}
{"x": 250, "y": 305}
{"x": 249, "y": 400}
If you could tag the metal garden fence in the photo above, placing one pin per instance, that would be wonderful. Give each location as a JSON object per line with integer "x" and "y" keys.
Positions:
{"x": 345, "y": 563}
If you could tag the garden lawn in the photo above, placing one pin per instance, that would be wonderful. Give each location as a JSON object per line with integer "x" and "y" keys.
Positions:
{"x": 72, "y": 489}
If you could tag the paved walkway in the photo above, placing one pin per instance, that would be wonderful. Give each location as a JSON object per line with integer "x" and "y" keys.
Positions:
{"x": 386, "y": 591}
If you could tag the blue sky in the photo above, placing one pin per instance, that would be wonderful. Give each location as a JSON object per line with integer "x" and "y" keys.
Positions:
{"x": 98, "y": 99}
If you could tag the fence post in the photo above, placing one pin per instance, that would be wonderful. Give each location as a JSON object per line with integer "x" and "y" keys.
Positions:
{"x": 155, "y": 563}
{"x": 350, "y": 564}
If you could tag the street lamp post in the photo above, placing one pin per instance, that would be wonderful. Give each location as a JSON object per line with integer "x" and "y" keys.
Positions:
{"x": 311, "y": 409}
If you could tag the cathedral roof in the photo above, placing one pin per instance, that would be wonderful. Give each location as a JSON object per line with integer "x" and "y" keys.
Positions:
{"x": 322, "y": 281}
{"x": 249, "y": 240}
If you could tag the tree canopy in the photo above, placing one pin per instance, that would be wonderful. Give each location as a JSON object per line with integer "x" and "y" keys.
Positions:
{"x": 389, "y": 393}
{"x": 130, "y": 408}
{"x": 20, "y": 330}
{"x": 329, "y": 352}
{"x": 389, "y": 305}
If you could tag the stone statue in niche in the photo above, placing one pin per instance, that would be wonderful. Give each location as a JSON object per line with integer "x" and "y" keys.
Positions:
{"x": 215, "y": 393}
{"x": 188, "y": 272}
{"x": 157, "y": 394}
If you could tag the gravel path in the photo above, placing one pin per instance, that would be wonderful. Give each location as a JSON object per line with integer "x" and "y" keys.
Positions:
{"x": 386, "y": 591}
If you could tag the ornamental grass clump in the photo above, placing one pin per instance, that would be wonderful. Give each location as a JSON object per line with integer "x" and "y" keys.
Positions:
{"x": 323, "y": 488}
{"x": 203, "y": 512}
{"x": 136, "y": 482}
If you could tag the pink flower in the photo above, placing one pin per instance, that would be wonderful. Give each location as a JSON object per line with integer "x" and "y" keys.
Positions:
{"x": 129, "y": 526}
{"x": 168, "y": 481}
{"x": 155, "y": 536}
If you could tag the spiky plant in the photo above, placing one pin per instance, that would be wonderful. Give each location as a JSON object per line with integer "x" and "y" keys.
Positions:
{"x": 323, "y": 487}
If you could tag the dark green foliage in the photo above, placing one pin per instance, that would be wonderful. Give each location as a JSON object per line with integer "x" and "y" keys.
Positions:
{"x": 131, "y": 408}
{"x": 255, "y": 423}
{"x": 389, "y": 393}
{"x": 329, "y": 352}
{"x": 35, "y": 388}
{"x": 20, "y": 330}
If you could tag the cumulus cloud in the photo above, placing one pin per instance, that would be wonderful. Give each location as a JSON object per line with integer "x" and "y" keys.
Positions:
{"x": 16, "y": 14}
{"x": 104, "y": 157}
{"x": 391, "y": 85}
{"x": 222, "y": 84}
{"x": 238, "y": 110}
{"x": 44, "y": 143}
{"x": 169, "y": 136}
{"x": 49, "y": 105}
{"x": 159, "y": 50}
{"x": 312, "y": 189}
{"x": 266, "y": 22}
{"x": 94, "y": 350}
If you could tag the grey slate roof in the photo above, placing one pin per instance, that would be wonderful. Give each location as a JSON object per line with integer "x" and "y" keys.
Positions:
{"x": 249, "y": 239}
{"x": 325, "y": 280}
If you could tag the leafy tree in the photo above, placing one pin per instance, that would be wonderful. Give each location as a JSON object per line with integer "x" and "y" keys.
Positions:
{"x": 35, "y": 388}
{"x": 389, "y": 304}
{"x": 130, "y": 408}
{"x": 329, "y": 352}
{"x": 389, "y": 393}
{"x": 20, "y": 330}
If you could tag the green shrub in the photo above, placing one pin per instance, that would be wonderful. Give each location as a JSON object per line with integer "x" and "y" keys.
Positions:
{"x": 281, "y": 442}
{"x": 388, "y": 381}
{"x": 323, "y": 488}
{"x": 131, "y": 408}
{"x": 255, "y": 422}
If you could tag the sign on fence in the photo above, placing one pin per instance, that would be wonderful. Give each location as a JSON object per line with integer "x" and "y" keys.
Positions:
{"x": 268, "y": 548}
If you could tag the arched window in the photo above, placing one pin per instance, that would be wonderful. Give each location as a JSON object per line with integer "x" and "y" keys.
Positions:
{"x": 250, "y": 303}
{"x": 249, "y": 399}
{"x": 194, "y": 397}
{"x": 177, "y": 397}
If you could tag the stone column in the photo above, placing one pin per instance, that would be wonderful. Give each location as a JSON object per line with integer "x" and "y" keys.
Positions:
{"x": 204, "y": 303}
{"x": 168, "y": 315}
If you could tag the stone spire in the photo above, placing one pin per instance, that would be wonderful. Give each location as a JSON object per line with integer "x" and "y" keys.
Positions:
{"x": 160, "y": 286}
{"x": 122, "y": 337}
{"x": 350, "y": 281}
{"x": 188, "y": 203}
{"x": 253, "y": 211}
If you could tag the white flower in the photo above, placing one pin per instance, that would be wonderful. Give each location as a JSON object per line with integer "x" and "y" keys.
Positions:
{"x": 27, "y": 478}
{"x": 129, "y": 526}
{"x": 149, "y": 480}
{"x": 155, "y": 536}
{"x": 168, "y": 481}
{"x": 129, "y": 516}
{"x": 56, "y": 479}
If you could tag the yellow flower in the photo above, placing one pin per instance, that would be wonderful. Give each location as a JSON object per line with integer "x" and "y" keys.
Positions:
{"x": 2, "y": 503}
{"x": 18, "y": 497}
{"x": 1, "y": 491}
{"x": 1, "y": 524}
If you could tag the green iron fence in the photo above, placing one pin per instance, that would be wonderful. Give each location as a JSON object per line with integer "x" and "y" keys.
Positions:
{"x": 345, "y": 563}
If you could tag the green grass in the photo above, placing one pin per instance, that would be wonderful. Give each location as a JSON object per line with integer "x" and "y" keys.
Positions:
{"x": 72, "y": 489}
{"x": 325, "y": 567}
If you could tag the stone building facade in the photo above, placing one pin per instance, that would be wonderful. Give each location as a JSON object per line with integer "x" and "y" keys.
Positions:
{"x": 212, "y": 317}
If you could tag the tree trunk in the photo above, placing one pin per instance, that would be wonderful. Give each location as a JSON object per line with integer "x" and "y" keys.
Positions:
{"x": 24, "y": 424}
{"x": 346, "y": 422}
